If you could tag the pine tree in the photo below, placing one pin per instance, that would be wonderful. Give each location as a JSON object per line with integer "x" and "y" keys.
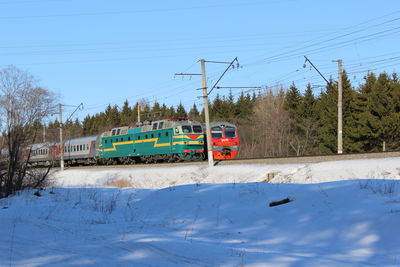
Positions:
{"x": 126, "y": 114}
{"x": 180, "y": 111}
{"x": 194, "y": 113}
{"x": 307, "y": 123}
{"x": 292, "y": 101}
{"x": 326, "y": 107}
{"x": 243, "y": 107}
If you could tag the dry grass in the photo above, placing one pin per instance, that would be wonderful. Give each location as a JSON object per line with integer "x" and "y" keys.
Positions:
{"x": 121, "y": 183}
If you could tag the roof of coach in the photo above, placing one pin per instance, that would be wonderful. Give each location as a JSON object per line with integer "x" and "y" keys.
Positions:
{"x": 82, "y": 139}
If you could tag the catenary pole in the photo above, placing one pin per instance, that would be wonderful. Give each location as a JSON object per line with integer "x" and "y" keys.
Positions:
{"x": 61, "y": 139}
{"x": 206, "y": 114}
{"x": 340, "y": 106}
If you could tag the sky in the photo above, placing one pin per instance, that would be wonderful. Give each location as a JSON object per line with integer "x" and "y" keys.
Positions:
{"x": 105, "y": 52}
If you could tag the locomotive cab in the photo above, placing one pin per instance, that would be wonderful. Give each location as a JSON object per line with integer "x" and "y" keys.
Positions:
{"x": 225, "y": 140}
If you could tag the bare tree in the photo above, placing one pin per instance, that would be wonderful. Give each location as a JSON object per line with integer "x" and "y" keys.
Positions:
{"x": 268, "y": 135}
{"x": 22, "y": 103}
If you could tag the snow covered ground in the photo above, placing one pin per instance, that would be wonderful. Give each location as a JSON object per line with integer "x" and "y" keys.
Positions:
{"x": 343, "y": 213}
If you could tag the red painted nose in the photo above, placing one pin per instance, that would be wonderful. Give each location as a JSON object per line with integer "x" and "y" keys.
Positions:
{"x": 193, "y": 137}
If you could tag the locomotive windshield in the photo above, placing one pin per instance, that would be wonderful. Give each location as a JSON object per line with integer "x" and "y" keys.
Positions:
{"x": 197, "y": 129}
{"x": 189, "y": 129}
{"x": 186, "y": 129}
{"x": 230, "y": 132}
{"x": 216, "y": 132}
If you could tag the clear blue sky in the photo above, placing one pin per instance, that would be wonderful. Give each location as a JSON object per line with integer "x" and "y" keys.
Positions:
{"x": 103, "y": 52}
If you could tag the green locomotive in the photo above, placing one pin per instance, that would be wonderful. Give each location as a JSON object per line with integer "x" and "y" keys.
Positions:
{"x": 163, "y": 140}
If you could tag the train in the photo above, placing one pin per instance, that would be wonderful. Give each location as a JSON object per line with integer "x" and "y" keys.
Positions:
{"x": 168, "y": 140}
{"x": 225, "y": 140}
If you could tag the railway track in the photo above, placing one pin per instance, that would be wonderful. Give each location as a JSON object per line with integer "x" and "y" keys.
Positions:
{"x": 275, "y": 160}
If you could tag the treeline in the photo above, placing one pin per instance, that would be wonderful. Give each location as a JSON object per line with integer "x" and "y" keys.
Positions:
{"x": 283, "y": 121}
{"x": 291, "y": 123}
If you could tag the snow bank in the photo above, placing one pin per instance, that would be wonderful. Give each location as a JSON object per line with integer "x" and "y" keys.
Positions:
{"x": 162, "y": 177}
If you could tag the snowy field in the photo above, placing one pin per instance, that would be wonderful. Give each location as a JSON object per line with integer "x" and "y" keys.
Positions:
{"x": 342, "y": 213}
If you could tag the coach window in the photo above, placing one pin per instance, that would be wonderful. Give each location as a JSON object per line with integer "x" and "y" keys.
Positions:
{"x": 105, "y": 141}
{"x": 87, "y": 146}
{"x": 146, "y": 136}
{"x": 155, "y": 126}
{"x": 152, "y": 135}
{"x": 129, "y": 138}
{"x": 166, "y": 134}
{"x": 118, "y": 131}
{"x": 160, "y": 125}
{"x": 138, "y": 138}
{"x": 113, "y": 132}
{"x": 159, "y": 134}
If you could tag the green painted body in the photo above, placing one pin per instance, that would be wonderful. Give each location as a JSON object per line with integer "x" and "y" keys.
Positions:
{"x": 140, "y": 142}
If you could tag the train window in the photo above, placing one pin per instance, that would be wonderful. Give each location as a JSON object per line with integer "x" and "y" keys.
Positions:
{"x": 152, "y": 135}
{"x": 176, "y": 130}
{"x": 186, "y": 129}
{"x": 166, "y": 134}
{"x": 155, "y": 126}
{"x": 230, "y": 132}
{"x": 197, "y": 129}
{"x": 81, "y": 148}
{"x": 146, "y": 136}
{"x": 138, "y": 138}
{"x": 118, "y": 131}
{"x": 111, "y": 141}
{"x": 113, "y": 132}
{"x": 122, "y": 139}
{"x": 129, "y": 138}
{"x": 216, "y": 132}
{"x": 105, "y": 141}
{"x": 87, "y": 146}
{"x": 159, "y": 134}
{"x": 160, "y": 125}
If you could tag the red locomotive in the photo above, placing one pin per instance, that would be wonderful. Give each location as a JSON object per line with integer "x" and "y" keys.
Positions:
{"x": 225, "y": 140}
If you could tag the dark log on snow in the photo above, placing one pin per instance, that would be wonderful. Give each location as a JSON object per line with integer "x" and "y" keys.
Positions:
{"x": 283, "y": 201}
